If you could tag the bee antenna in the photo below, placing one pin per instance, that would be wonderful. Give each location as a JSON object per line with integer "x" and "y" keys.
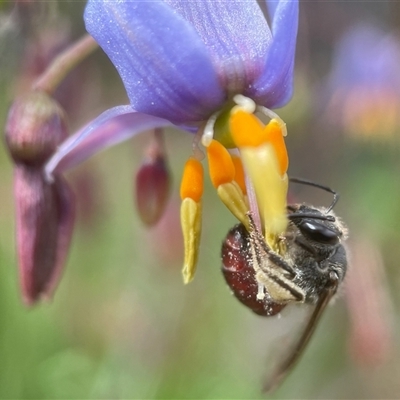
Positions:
{"x": 319, "y": 186}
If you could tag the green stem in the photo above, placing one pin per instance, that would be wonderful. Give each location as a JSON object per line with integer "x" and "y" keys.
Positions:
{"x": 64, "y": 63}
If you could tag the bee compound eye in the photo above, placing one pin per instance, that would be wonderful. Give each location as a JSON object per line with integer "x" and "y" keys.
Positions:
{"x": 319, "y": 232}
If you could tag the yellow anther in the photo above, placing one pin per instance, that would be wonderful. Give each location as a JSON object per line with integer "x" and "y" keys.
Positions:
{"x": 232, "y": 196}
{"x": 220, "y": 164}
{"x": 269, "y": 185}
{"x": 191, "y": 229}
{"x": 192, "y": 183}
{"x": 274, "y": 136}
{"x": 239, "y": 173}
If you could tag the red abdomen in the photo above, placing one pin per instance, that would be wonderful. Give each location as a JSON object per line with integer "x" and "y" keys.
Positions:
{"x": 239, "y": 273}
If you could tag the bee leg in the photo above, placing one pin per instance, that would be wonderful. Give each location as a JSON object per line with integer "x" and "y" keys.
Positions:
{"x": 273, "y": 274}
{"x": 261, "y": 247}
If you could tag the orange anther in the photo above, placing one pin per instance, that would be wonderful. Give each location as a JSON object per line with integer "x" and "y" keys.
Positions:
{"x": 239, "y": 173}
{"x": 192, "y": 183}
{"x": 246, "y": 129}
{"x": 220, "y": 164}
{"x": 274, "y": 136}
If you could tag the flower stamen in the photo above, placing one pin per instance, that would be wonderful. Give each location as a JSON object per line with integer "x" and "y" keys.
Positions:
{"x": 244, "y": 103}
{"x": 191, "y": 191}
{"x": 220, "y": 164}
{"x": 240, "y": 176}
{"x": 273, "y": 115}
{"x": 262, "y": 161}
{"x": 274, "y": 135}
{"x": 208, "y": 132}
{"x": 264, "y": 155}
{"x": 222, "y": 173}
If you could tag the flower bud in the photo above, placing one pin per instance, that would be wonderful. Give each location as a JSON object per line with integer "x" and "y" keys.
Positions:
{"x": 152, "y": 189}
{"x": 44, "y": 211}
{"x": 45, "y": 217}
{"x": 35, "y": 127}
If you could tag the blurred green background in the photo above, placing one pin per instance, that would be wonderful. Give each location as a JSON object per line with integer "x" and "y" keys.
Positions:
{"x": 122, "y": 324}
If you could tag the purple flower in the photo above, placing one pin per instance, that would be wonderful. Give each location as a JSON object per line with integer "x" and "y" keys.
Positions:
{"x": 363, "y": 88}
{"x": 181, "y": 61}
{"x": 192, "y": 64}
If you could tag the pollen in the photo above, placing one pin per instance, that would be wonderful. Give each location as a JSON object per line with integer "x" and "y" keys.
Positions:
{"x": 239, "y": 173}
{"x": 220, "y": 164}
{"x": 274, "y": 136}
{"x": 246, "y": 129}
{"x": 192, "y": 183}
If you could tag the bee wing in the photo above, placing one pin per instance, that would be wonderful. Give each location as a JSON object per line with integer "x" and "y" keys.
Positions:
{"x": 295, "y": 352}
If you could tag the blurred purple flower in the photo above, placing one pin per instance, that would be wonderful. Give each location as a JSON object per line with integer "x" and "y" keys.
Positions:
{"x": 182, "y": 61}
{"x": 364, "y": 85}
{"x": 370, "y": 305}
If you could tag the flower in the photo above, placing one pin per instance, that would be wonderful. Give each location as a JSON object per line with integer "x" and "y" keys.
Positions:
{"x": 206, "y": 67}
{"x": 363, "y": 88}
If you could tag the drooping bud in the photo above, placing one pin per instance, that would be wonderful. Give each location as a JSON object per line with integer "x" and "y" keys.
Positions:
{"x": 45, "y": 216}
{"x": 153, "y": 183}
{"x": 152, "y": 190}
{"x": 44, "y": 210}
{"x": 35, "y": 126}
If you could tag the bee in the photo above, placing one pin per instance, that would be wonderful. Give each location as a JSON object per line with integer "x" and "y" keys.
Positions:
{"x": 309, "y": 270}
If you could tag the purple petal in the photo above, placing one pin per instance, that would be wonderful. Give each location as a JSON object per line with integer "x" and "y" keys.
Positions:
{"x": 236, "y": 34}
{"x": 165, "y": 67}
{"x": 271, "y": 7}
{"x": 274, "y": 87}
{"x": 111, "y": 127}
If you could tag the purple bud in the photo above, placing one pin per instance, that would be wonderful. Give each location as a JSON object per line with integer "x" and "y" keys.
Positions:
{"x": 153, "y": 182}
{"x": 45, "y": 210}
{"x": 45, "y": 217}
{"x": 152, "y": 190}
{"x": 35, "y": 127}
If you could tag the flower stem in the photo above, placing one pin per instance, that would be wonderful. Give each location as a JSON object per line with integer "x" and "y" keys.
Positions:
{"x": 64, "y": 63}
